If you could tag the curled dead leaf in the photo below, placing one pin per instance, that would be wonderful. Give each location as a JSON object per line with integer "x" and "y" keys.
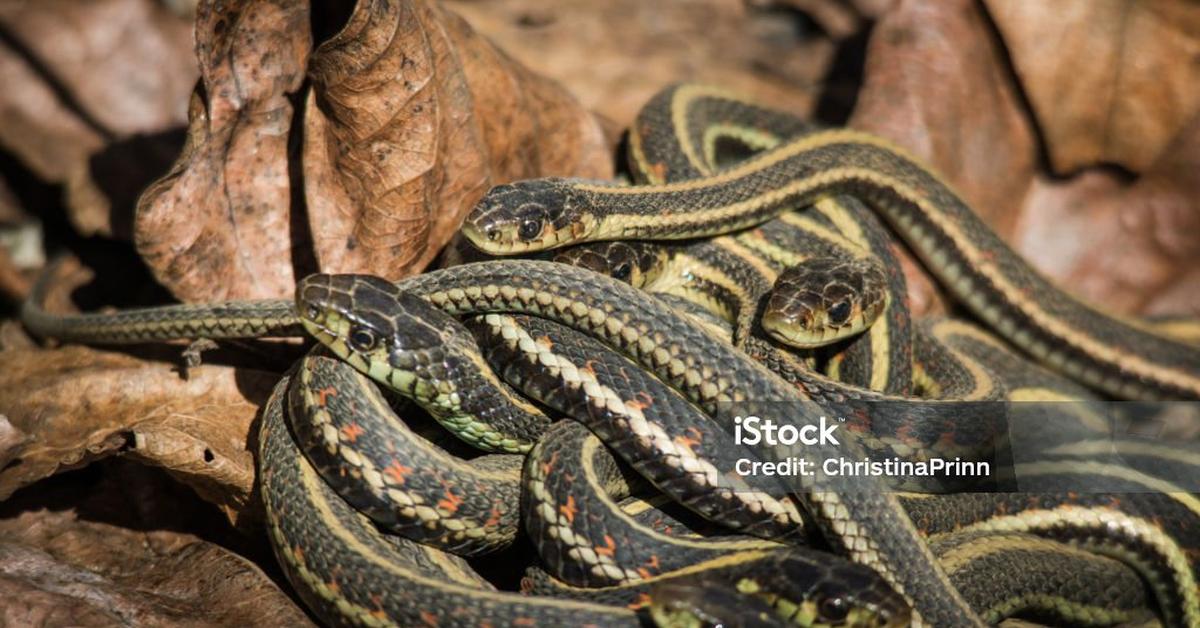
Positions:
{"x": 1134, "y": 246}
{"x": 78, "y": 83}
{"x": 939, "y": 82}
{"x": 412, "y": 117}
{"x": 75, "y": 405}
{"x": 122, "y": 545}
{"x": 224, "y": 209}
{"x": 1104, "y": 78}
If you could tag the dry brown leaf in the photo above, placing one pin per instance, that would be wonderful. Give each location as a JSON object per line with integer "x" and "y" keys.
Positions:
{"x": 128, "y": 549}
{"x": 938, "y": 83}
{"x": 223, "y": 211}
{"x": 81, "y": 75}
{"x": 14, "y": 284}
{"x": 412, "y": 117}
{"x": 74, "y": 405}
{"x": 76, "y": 77}
{"x": 11, "y": 212}
{"x": 1109, "y": 81}
{"x": 615, "y": 55}
{"x": 1134, "y": 247}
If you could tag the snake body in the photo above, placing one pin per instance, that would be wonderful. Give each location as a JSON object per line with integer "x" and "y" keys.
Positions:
{"x": 970, "y": 260}
{"x": 572, "y": 480}
{"x": 351, "y": 574}
{"x": 404, "y": 483}
{"x": 322, "y": 382}
{"x": 670, "y": 442}
{"x": 679, "y": 135}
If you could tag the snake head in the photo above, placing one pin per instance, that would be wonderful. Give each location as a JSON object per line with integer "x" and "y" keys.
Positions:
{"x": 635, "y": 263}
{"x": 376, "y": 327}
{"x": 793, "y": 587}
{"x": 525, "y": 216}
{"x": 697, "y": 603}
{"x": 824, "y": 300}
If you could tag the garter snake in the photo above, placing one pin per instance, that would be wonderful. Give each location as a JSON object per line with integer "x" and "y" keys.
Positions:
{"x": 583, "y": 536}
{"x": 666, "y": 439}
{"x": 550, "y": 291}
{"x": 967, "y": 429}
{"x": 870, "y": 527}
{"x": 349, "y": 573}
{"x": 812, "y": 304}
{"x": 1004, "y": 575}
{"x": 983, "y": 273}
{"x": 217, "y": 320}
{"x": 1155, "y": 532}
{"x": 679, "y": 135}
{"x": 402, "y": 482}
{"x": 407, "y": 584}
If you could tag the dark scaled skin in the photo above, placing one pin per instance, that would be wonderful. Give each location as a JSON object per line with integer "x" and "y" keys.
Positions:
{"x": 694, "y": 604}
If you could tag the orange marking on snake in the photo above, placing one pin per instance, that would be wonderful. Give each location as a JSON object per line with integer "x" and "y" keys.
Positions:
{"x": 652, "y": 567}
{"x": 351, "y": 432}
{"x": 451, "y": 502}
{"x": 397, "y": 471}
{"x": 643, "y": 600}
{"x": 378, "y": 613}
{"x": 428, "y": 618}
{"x": 610, "y": 547}
{"x": 548, "y": 465}
{"x": 324, "y": 394}
{"x": 493, "y": 518}
{"x": 569, "y": 510}
{"x": 684, "y": 441}
{"x": 659, "y": 170}
{"x": 524, "y": 621}
{"x": 545, "y": 342}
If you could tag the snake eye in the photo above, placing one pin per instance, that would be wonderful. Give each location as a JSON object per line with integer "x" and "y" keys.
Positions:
{"x": 833, "y": 609}
{"x": 839, "y": 313}
{"x": 362, "y": 339}
{"x": 622, "y": 271}
{"x": 530, "y": 228}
